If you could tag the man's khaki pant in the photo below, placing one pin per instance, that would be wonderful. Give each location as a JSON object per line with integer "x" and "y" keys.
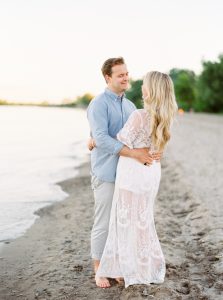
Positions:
{"x": 103, "y": 195}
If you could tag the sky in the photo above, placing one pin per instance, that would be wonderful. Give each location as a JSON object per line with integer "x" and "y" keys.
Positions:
{"x": 51, "y": 50}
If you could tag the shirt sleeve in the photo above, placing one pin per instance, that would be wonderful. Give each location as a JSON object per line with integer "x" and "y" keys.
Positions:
{"x": 98, "y": 120}
{"x": 128, "y": 134}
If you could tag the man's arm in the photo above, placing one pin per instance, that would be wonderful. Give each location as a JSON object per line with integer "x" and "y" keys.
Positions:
{"x": 139, "y": 154}
{"x": 98, "y": 120}
{"x": 142, "y": 154}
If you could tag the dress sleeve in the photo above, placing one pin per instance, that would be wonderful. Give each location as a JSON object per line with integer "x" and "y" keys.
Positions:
{"x": 128, "y": 134}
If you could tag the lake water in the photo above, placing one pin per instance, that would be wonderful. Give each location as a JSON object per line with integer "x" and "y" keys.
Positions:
{"x": 39, "y": 146}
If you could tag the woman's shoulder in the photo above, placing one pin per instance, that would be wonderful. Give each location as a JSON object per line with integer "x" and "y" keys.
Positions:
{"x": 139, "y": 116}
{"x": 138, "y": 111}
{"x": 142, "y": 112}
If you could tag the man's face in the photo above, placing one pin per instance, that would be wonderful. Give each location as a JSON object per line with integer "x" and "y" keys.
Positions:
{"x": 119, "y": 79}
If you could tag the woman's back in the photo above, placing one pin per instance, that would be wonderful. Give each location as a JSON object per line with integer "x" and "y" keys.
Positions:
{"x": 136, "y": 132}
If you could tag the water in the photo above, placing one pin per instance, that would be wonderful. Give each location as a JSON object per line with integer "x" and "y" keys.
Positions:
{"x": 39, "y": 146}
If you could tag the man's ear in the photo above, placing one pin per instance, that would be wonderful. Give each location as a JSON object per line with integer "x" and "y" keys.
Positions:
{"x": 107, "y": 78}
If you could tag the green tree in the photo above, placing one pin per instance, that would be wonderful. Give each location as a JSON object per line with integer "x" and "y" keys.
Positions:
{"x": 185, "y": 87}
{"x": 210, "y": 86}
{"x": 134, "y": 93}
{"x": 80, "y": 101}
{"x": 84, "y": 100}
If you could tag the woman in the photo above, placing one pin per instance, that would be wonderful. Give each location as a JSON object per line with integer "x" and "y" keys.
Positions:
{"x": 132, "y": 249}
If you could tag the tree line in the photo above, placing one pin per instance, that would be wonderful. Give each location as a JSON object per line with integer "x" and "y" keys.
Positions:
{"x": 201, "y": 93}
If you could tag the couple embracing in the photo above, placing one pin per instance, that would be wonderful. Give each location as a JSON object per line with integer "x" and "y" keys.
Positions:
{"x": 126, "y": 147}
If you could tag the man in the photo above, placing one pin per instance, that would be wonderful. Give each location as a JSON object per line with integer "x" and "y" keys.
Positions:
{"x": 107, "y": 114}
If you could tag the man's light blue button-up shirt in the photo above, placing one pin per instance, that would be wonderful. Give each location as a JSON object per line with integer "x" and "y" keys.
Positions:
{"x": 107, "y": 114}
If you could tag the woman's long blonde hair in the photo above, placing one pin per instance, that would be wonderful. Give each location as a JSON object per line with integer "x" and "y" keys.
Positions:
{"x": 161, "y": 104}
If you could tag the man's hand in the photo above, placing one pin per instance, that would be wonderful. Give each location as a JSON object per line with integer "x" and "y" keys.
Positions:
{"x": 157, "y": 156}
{"x": 91, "y": 144}
{"x": 142, "y": 155}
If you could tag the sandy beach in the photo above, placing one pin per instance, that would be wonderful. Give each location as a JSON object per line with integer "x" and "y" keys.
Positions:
{"x": 52, "y": 260}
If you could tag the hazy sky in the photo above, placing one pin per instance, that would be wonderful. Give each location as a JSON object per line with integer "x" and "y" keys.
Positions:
{"x": 54, "y": 49}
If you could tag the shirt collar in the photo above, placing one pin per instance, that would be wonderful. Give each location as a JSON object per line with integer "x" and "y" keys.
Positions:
{"x": 113, "y": 95}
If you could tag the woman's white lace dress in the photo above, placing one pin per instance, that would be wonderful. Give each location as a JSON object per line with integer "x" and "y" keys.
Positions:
{"x": 132, "y": 249}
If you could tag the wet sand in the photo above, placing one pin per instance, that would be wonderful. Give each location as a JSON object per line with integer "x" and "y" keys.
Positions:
{"x": 52, "y": 261}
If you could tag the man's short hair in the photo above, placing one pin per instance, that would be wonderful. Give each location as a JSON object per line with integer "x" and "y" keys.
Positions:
{"x": 109, "y": 63}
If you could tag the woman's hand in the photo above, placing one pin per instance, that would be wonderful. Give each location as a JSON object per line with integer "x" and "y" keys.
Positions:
{"x": 91, "y": 144}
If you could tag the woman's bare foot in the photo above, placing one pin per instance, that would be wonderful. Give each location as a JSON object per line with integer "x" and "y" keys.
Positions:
{"x": 96, "y": 265}
{"x": 102, "y": 282}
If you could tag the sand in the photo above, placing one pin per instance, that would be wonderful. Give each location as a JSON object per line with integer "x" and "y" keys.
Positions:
{"x": 52, "y": 261}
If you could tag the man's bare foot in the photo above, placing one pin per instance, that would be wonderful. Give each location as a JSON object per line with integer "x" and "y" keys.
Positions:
{"x": 119, "y": 279}
{"x": 102, "y": 282}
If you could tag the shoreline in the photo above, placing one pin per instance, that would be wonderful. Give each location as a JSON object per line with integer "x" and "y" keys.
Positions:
{"x": 52, "y": 260}
{"x": 12, "y": 252}
{"x": 35, "y": 213}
